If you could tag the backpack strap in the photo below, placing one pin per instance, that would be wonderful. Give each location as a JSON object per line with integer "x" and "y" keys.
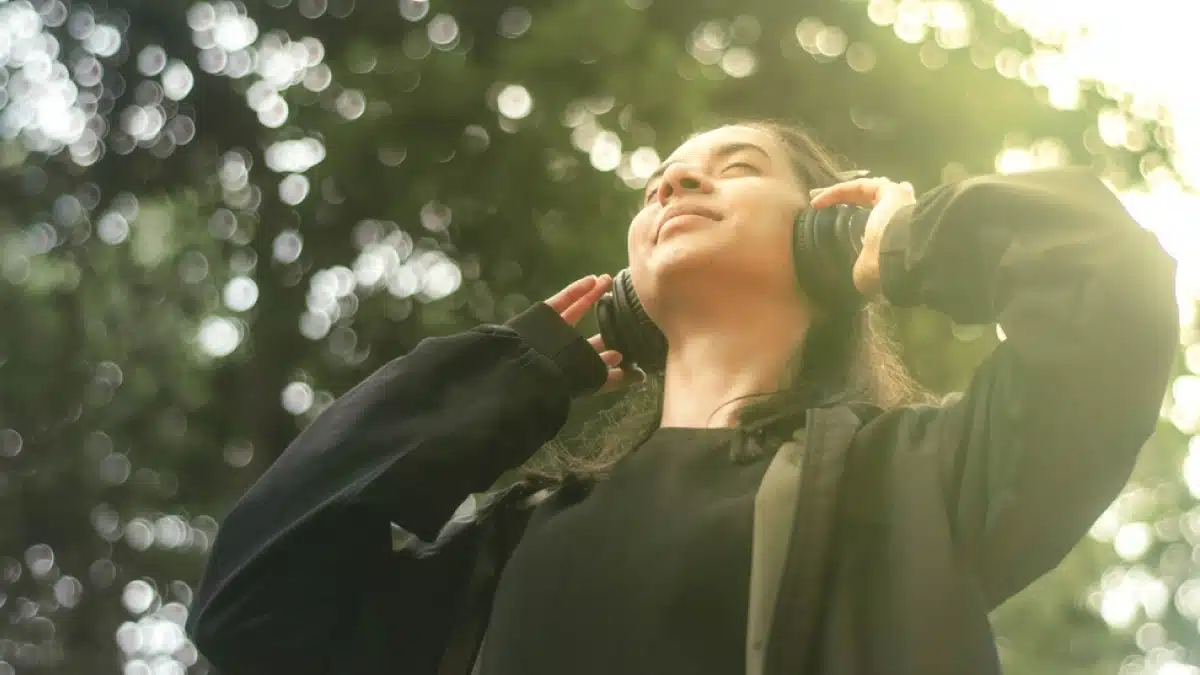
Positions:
{"x": 774, "y": 521}
{"x": 501, "y": 524}
{"x": 795, "y": 511}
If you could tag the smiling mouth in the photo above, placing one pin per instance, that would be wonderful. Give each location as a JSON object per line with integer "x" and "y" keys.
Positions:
{"x": 681, "y": 218}
{"x": 676, "y": 221}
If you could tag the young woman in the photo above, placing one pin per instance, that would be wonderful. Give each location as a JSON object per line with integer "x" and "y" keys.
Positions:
{"x": 906, "y": 522}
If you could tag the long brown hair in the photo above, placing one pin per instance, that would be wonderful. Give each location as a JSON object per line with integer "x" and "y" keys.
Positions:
{"x": 858, "y": 361}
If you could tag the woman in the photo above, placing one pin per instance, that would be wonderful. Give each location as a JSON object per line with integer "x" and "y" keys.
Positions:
{"x": 911, "y": 520}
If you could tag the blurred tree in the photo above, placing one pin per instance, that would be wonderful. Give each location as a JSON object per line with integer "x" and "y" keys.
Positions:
{"x": 217, "y": 216}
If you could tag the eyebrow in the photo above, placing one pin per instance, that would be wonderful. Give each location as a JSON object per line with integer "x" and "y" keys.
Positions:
{"x": 722, "y": 152}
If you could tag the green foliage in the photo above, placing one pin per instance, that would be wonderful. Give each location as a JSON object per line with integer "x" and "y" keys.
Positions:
{"x": 253, "y": 207}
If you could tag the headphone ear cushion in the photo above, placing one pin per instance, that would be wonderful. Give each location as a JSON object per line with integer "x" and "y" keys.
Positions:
{"x": 627, "y": 328}
{"x": 806, "y": 258}
{"x": 824, "y": 254}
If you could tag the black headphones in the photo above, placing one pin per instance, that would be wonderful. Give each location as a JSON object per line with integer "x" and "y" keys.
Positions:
{"x": 825, "y": 244}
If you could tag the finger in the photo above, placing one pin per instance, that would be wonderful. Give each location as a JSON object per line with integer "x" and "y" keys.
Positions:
{"x": 858, "y": 191}
{"x": 882, "y": 212}
{"x": 616, "y": 380}
{"x": 847, "y": 184}
{"x": 611, "y": 358}
{"x": 864, "y": 196}
{"x": 573, "y": 313}
{"x": 573, "y": 292}
{"x": 895, "y": 196}
{"x": 597, "y": 343}
{"x": 862, "y": 191}
{"x": 621, "y": 377}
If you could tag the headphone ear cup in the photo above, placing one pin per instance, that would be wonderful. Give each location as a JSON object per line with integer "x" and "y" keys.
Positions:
{"x": 627, "y": 328}
{"x": 851, "y": 226}
{"x": 807, "y": 261}
{"x": 826, "y": 245}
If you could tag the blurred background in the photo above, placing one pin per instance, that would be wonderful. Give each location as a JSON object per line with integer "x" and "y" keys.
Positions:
{"x": 217, "y": 216}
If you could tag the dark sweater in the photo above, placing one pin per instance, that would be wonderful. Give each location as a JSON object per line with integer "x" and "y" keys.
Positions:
{"x": 647, "y": 574}
{"x": 910, "y": 525}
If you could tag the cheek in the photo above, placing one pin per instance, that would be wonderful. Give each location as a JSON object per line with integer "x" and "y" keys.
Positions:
{"x": 637, "y": 239}
{"x": 764, "y": 236}
{"x": 768, "y": 226}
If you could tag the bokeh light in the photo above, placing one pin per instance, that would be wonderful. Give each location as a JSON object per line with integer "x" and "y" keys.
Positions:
{"x": 179, "y": 261}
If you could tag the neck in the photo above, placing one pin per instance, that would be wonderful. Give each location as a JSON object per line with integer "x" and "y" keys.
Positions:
{"x": 719, "y": 354}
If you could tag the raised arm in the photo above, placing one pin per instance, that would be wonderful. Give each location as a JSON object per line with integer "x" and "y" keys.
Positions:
{"x": 1049, "y": 429}
{"x": 303, "y": 578}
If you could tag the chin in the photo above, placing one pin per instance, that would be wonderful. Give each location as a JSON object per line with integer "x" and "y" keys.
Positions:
{"x": 676, "y": 271}
{"x": 676, "y": 256}
{"x": 691, "y": 266}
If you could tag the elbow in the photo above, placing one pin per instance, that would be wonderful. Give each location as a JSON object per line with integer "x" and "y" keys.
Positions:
{"x": 1146, "y": 345}
{"x": 237, "y": 645}
{"x": 220, "y": 627}
{"x": 1119, "y": 363}
{"x": 1135, "y": 303}
{"x": 211, "y": 638}
{"x": 276, "y": 607}
{"x": 1157, "y": 310}
{"x": 228, "y": 618}
{"x": 205, "y": 627}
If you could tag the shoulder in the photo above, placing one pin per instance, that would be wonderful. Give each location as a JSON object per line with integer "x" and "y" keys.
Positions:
{"x": 877, "y": 419}
{"x": 872, "y": 420}
{"x": 895, "y": 433}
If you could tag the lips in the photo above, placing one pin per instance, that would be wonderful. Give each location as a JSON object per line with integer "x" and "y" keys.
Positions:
{"x": 676, "y": 210}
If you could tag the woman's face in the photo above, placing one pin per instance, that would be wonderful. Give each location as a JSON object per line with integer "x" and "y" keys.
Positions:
{"x": 717, "y": 219}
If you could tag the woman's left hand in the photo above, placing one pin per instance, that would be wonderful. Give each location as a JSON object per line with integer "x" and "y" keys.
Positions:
{"x": 884, "y": 198}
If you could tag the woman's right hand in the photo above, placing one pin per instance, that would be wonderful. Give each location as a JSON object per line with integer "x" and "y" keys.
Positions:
{"x": 572, "y": 303}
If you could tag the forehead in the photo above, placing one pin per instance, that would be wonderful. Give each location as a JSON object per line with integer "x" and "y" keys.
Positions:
{"x": 704, "y": 144}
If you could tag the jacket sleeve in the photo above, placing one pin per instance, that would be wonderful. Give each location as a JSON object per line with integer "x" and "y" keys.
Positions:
{"x": 303, "y": 579}
{"x": 1049, "y": 429}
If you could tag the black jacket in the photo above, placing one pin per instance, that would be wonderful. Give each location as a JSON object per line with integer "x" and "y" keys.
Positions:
{"x": 909, "y": 526}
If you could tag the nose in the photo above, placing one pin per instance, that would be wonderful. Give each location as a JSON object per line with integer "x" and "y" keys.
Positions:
{"x": 681, "y": 178}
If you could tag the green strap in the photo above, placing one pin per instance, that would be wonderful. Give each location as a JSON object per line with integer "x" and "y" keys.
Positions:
{"x": 774, "y": 515}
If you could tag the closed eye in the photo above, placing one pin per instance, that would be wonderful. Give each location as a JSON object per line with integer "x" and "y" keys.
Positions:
{"x": 651, "y": 190}
{"x": 742, "y": 165}
{"x": 653, "y": 187}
